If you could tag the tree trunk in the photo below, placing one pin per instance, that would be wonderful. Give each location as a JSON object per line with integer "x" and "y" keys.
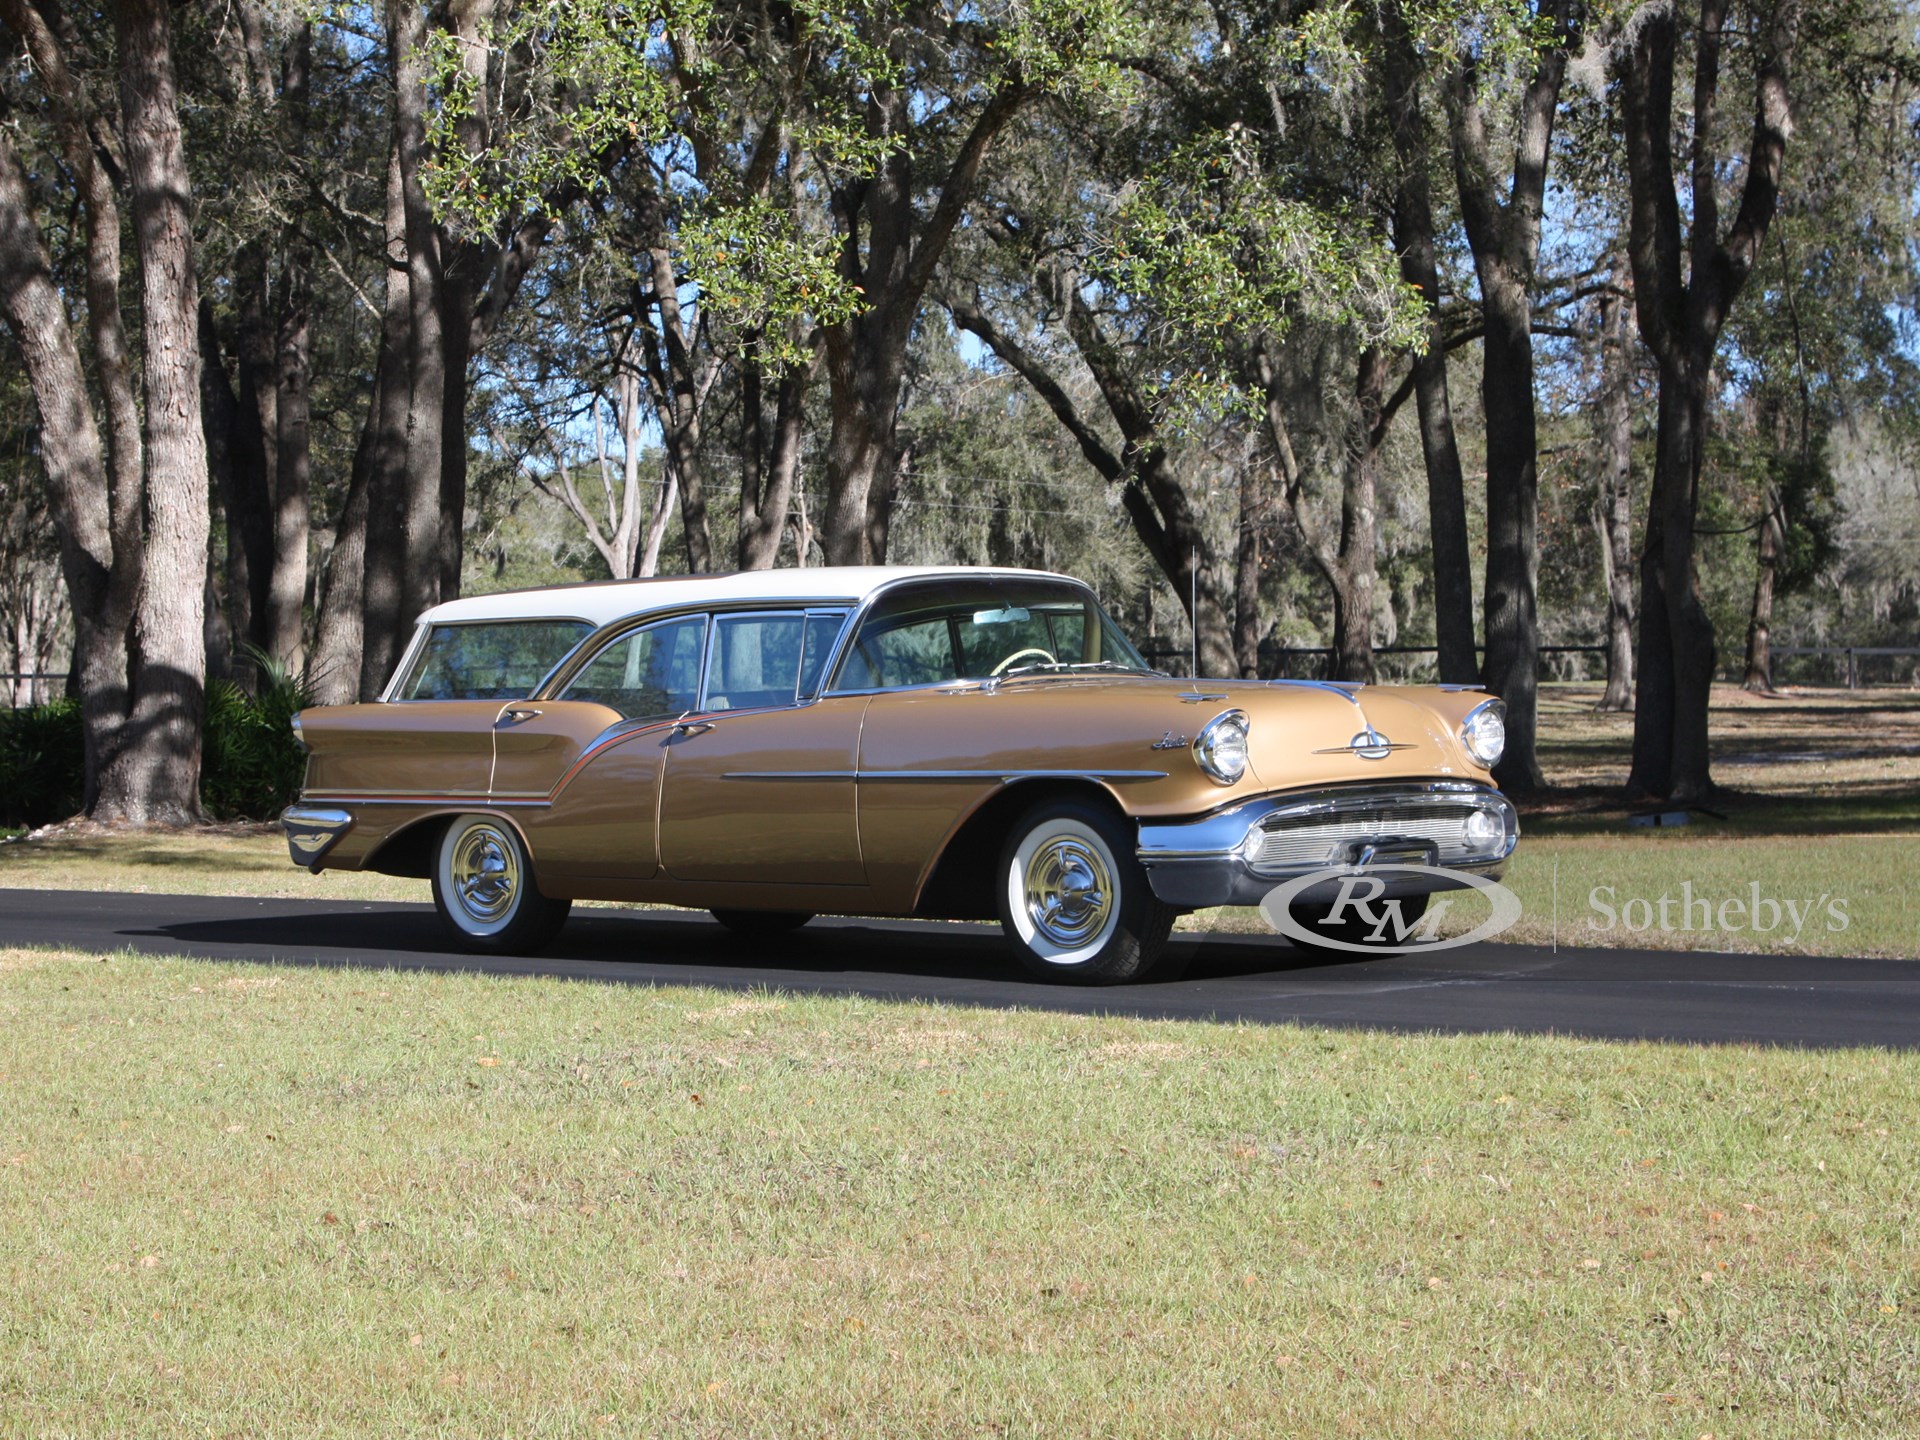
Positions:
{"x": 1413, "y": 237}
{"x": 1682, "y": 308}
{"x": 339, "y": 636}
{"x": 1246, "y": 575}
{"x": 220, "y": 415}
{"x": 384, "y": 439}
{"x": 1355, "y": 574}
{"x": 1615, "y": 502}
{"x": 770, "y": 470}
{"x": 421, "y": 535}
{"x": 1512, "y": 669}
{"x": 76, "y": 469}
{"x": 1759, "y": 676}
{"x": 156, "y": 780}
{"x": 292, "y": 519}
{"x": 1505, "y": 239}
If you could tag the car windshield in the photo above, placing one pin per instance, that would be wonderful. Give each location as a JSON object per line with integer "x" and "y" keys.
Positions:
{"x": 490, "y": 660}
{"x": 973, "y": 629}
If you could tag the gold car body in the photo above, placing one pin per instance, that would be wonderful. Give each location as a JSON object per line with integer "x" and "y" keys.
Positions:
{"x": 891, "y": 800}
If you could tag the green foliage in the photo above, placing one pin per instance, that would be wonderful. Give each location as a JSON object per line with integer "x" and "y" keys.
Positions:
{"x": 588, "y": 79}
{"x": 251, "y": 766}
{"x": 42, "y": 763}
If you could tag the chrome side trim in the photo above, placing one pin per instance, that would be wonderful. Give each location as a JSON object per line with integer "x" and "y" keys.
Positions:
{"x": 1004, "y": 776}
{"x": 478, "y": 801}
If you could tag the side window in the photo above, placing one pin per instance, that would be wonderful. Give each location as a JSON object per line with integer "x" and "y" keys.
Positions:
{"x": 646, "y": 674}
{"x": 1069, "y": 629}
{"x": 913, "y": 654}
{"x": 501, "y": 660}
{"x": 756, "y": 660}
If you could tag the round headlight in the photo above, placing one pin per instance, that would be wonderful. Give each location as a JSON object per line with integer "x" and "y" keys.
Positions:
{"x": 1484, "y": 733}
{"x": 1221, "y": 748}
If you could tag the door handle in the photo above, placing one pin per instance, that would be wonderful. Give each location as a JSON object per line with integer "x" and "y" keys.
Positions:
{"x": 515, "y": 715}
{"x": 692, "y": 727}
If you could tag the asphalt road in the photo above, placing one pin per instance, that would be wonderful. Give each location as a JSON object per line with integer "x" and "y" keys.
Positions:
{"x": 1612, "y": 994}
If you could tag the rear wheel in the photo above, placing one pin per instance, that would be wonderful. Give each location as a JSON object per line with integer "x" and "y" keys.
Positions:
{"x": 1357, "y": 930}
{"x": 762, "y": 924}
{"x": 484, "y": 889}
{"x": 1074, "y": 899}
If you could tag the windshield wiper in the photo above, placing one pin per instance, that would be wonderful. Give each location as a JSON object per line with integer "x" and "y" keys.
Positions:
{"x": 1060, "y": 666}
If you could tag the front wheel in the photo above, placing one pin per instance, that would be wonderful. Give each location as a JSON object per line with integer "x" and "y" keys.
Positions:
{"x": 484, "y": 890}
{"x": 1074, "y": 899}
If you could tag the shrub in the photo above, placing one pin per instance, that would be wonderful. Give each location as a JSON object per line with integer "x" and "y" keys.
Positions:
{"x": 42, "y": 763}
{"x": 251, "y": 766}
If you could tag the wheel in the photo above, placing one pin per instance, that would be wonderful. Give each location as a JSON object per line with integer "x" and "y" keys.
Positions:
{"x": 762, "y": 924}
{"x": 1074, "y": 899}
{"x": 1357, "y": 929}
{"x": 483, "y": 888}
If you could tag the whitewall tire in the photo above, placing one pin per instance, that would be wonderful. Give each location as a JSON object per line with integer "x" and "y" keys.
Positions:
{"x": 483, "y": 887}
{"x": 1074, "y": 900}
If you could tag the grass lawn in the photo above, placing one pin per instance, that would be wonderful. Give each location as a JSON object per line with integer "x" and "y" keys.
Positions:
{"x": 246, "y": 1201}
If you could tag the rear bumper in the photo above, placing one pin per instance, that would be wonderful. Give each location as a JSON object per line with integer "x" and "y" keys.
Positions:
{"x": 313, "y": 830}
{"x": 1238, "y": 855}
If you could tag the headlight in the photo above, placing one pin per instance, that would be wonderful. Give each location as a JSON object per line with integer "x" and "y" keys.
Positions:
{"x": 1221, "y": 748}
{"x": 1484, "y": 733}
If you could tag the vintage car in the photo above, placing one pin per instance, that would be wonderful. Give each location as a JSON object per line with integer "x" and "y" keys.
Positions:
{"x": 956, "y": 743}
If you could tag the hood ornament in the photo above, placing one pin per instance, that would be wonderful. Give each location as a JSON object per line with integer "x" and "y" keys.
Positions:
{"x": 1369, "y": 744}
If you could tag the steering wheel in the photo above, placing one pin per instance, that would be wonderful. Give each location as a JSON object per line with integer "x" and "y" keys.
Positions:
{"x": 1007, "y": 664}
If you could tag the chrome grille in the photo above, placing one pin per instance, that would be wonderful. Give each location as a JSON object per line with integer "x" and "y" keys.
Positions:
{"x": 1292, "y": 842}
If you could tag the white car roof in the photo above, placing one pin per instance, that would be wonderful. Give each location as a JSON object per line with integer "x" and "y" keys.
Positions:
{"x": 604, "y": 601}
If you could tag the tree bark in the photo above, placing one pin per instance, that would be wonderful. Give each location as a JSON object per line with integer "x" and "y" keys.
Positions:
{"x": 384, "y": 440}
{"x": 1505, "y": 240}
{"x": 1767, "y": 548}
{"x": 1615, "y": 500}
{"x": 73, "y": 457}
{"x": 421, "y": 535}
{"x": 156, "y": 780}
{"x": 866, "y": 355}
{"x": 1355, "y": 578}
{"x": 1459, "y": 661}
{"x": 292, "y": 517}
{"x": 1684, "y": 286}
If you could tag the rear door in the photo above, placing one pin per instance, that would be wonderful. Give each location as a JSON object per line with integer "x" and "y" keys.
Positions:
{"x": 598, "y": 751}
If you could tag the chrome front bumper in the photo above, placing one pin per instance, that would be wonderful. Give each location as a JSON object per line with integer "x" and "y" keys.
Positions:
{"x": 1237, "y": 855}
{"x": 313, "y": 830}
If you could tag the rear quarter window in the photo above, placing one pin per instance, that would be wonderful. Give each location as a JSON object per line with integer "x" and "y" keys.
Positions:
{"x": 490, "y": 660}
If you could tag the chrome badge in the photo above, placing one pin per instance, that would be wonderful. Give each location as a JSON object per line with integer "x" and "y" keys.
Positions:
{"x": 1169, "y": 741}
{"x": 1369, "y": 744}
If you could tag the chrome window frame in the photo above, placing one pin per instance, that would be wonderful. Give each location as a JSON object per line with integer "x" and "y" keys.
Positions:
{"x": 804, "y": 611}
{"x": 626, "y": 630}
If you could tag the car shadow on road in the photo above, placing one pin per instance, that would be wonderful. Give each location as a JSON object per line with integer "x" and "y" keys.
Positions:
{"x": 882, "y": 958}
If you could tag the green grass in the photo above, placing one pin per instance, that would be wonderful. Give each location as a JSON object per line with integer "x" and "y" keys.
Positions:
{"x": 251, "y": 1201}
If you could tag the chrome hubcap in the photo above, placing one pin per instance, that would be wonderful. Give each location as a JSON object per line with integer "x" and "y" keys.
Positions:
{"x": 486, "y": 876}
{"x": 1069, "y": 891}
